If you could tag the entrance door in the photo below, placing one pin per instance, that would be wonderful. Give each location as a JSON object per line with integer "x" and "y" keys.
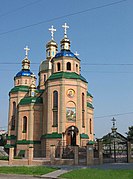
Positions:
{"x": 71, "y": 134}
{"x": 73, "y": 139}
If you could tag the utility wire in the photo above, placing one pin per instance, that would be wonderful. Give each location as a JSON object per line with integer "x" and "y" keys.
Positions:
{"x": 64, "y": 16}
{"x": 17, "y": 9}
{"x": 95, "y": 64}
{"x": 110, "y": 115}
{"x": 108, "y": 64}
{"x": 108, "y": 72}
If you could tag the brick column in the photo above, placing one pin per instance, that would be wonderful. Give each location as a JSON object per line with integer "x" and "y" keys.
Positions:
{"x": 90, "y": 154}
{"x": 100, "y": 152}
{"x": 30, "y": 155}
{"x": 11, "y": 155}
{"x": 76, "y": 155}
{"x": 30, "y": 123}
{"x": 52, "y": 154}
{"x": 62, "y": 109}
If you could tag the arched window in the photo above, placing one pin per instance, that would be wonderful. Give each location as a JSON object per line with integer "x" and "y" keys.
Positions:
{"x": 55, "y": 99}
{"x": 44, "y": 78}
{"x": 76, "y": 67}
{"x": 48, "y": 53}
{"x": 55, "y": 109}
{"x": 24, "y": 130}
{"x": 90, "y": 126}
{"x": 13, "y": 116}
{"x": 58, "y": 66}
{"x": 83, "y": 111}
{"x": 14, "y": 108}
{"x": 68, "y": 66}
{"x": 18, "y": 82}
{"x": 25, "y": 81}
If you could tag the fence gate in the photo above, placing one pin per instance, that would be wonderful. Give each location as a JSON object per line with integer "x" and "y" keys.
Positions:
{"x": 115, "y": 148}
{"x": 82, "y": 155}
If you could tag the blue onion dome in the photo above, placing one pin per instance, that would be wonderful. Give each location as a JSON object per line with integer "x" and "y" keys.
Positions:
{"x": 65, "y": 53}
{"x": 24, "y": 72}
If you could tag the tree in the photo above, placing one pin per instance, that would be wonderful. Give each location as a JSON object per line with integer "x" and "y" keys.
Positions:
{"x": 130, "y": 134}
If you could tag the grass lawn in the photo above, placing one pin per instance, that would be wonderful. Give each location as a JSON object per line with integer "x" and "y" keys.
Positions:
{"x": 31, "y": 170}
{"x": 99, "y": 174}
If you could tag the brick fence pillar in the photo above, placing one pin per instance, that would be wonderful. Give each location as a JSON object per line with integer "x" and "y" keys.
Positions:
{"x": 30, "y": 155}
{"x": 76, "y": 155}
{"x": 129, "y": 152}
{"x": 100, "y": 152}
{"x": 90, "y": 154}
{"x": 11, "y": 155}
{"x": 52, "y": 154}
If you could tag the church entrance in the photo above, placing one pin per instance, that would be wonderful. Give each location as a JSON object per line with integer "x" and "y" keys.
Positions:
{"x": 71, "y": 134}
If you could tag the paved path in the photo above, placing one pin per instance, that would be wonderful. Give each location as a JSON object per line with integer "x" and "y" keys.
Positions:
{"x": 56, "y": 173}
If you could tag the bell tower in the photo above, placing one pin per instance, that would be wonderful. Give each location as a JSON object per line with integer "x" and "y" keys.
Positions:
{"x": 45, "y": 69}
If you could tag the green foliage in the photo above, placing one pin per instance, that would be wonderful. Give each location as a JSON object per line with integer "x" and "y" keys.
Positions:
{"x": 130, "y": 134}
{"x": 4, "y": 158}
{"x": 36, "y": 170}
{"x": 2, "y": 140}
{"x": 98, "y": 174}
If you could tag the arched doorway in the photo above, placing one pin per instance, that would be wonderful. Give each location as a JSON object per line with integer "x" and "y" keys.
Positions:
{"x": 71, "y": 134}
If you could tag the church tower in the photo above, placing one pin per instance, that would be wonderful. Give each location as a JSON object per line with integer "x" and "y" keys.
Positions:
{"x": 68, "y": 115}
{"x": 23, "y": 109}
{"x": 45, "y": 69}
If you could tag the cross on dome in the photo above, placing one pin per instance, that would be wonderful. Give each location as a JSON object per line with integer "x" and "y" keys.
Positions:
{"x": 26, "y": 51}
{"x": 65, "y": 26}
{"x": 113, "y": 120}
{"x": 52, "y": 31}
{"x": 76, "y": 53}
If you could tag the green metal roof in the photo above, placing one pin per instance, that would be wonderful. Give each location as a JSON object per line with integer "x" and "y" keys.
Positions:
{"x": 90, "y": 105}
{"x": 20, "y": 88}
{"x": 9, "y": 146}
{"x": 54, "y": 135}
{"x": 84, "y": 136}
{"x": 88, "y": 94}
{"x": 25, "y": 142}
{"x": 67, "y": 75}
{"x": 11, "y": 137}
{"x": 39, "y": 90}
{"x": 91, "y": 142}
{"x": 29, "y": 100}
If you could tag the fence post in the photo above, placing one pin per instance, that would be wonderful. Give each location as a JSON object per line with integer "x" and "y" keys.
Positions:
{"x": 76, "y": 155}
{"x": 129, "y": 152}
{"x": 11, "y": 155}
{"x": 90, "y": 154}
{"x": 52, "y": 154}
{"x": 30, "y": 155}
{"x": 100, "y": 152}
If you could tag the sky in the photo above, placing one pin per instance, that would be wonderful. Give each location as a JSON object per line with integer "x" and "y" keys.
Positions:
{"x": 101, "y": 31}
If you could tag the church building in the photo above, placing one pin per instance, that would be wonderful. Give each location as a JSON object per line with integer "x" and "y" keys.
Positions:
{"x": 58, "y": 111}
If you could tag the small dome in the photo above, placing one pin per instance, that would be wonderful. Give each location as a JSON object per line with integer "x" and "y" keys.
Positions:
{"x": 24, "y": 73}
{"x": 32, "y": 86}
{"x": 65, "y": 53}
{"x": 65, "y": 40}
{"x": 51, "y": 43}
{"x": 26, "y": 60}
